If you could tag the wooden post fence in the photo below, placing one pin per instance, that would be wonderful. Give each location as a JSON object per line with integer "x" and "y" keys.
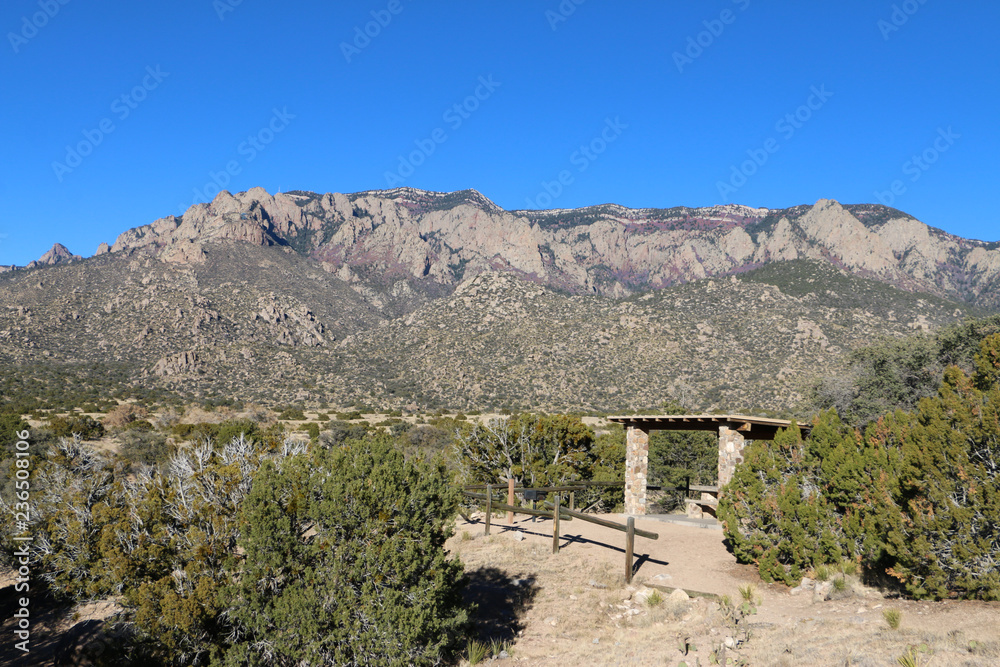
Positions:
{"x": 510, "y": 500}
{"x": 489, "y": 508}
{"x": 558, "y": 513}
{"x": 629, "y": 548}
{"x": 555, "y": 524}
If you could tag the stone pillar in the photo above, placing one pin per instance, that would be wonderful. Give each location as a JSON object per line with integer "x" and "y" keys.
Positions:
{"x": 636, "y": 466}
{"x": 731, "y": 445}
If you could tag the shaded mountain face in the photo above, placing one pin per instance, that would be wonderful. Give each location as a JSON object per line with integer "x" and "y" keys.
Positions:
{"x": 435, "y": 240}
{"x": 414, "y": 299}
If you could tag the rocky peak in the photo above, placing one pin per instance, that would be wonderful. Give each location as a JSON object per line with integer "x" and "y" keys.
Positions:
{"x": 57, "y": 254}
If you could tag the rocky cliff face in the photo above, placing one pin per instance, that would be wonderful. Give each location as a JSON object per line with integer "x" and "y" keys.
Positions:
{"x": 440, "y": 239}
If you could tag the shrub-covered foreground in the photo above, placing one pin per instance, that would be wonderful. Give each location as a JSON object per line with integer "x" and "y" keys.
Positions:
{"x": 916, "y": 496}
{"x": 236, "y": 555}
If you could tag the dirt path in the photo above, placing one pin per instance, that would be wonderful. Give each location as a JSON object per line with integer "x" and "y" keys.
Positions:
{"x": 683, "y": 556}
{"x": 578, "y": 610}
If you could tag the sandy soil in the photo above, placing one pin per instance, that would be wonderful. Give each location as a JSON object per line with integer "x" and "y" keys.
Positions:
{"x": 573, "y": 607}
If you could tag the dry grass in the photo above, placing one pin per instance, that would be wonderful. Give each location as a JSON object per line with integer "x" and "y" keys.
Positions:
{"x": 893, "y": 617}
{"x": 849, "y": 633}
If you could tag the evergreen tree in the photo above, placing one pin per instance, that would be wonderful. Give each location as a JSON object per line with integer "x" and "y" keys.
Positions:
{"x": 917, "y": 497}
{"x": 345, "y": 562}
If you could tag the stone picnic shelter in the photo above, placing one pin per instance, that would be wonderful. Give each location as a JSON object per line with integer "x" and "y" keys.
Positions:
{"x": 734, "y": 432}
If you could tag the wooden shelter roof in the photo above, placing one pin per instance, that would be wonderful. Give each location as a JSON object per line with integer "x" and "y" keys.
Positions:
{"x": 752, "y": 428}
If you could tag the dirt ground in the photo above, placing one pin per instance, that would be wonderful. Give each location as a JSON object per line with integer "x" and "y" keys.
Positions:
{"x": 573, "y": 608}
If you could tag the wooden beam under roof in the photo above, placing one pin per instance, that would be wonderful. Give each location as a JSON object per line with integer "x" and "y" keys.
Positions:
{"x": 752, "y": 428}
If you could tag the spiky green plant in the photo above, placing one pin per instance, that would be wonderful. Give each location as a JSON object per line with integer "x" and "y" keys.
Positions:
{"x": 476, "y": 651}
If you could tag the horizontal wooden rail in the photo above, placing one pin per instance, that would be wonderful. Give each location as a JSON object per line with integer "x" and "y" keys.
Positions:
{"x": 522, "y": 489}
{"x": 574, "y": 486}
{"x": 603, "y": 522}
{"x": 519, "y": 510}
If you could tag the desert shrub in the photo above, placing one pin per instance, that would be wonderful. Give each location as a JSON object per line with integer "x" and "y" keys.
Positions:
{"x": 86, "y": 427}
{"x": 183, "y": 431}
{"x": 144, "y": 446}
{"x": 70, "y": 485}
{"x": 426, "y": 437}
{"x": 10, "y": 425}
{"x": 313, "y": 430}
{"x": 227, "y": 430}
{"x": 371, "y": 585}
{"x": 11, "y": 428}
{"x": 677, "y": 455}
{"x": 339, "y": 432}
{"x": 894, "y": 374}
{"x": 943, "y": 523}
{"x": 608, "y": 454}
{"x": 223, "y": 432}
{"x": 397, "y": 428}
{"x": 122, "y": 415}
{"x": 160, "y": 541}
{"x": 292, "y": 414}
{"x": 348, "y": 416}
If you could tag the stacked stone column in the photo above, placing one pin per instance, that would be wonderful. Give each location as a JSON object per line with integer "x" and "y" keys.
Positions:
{"x": 636, "y": 467}
{"x": 731, "y": 445}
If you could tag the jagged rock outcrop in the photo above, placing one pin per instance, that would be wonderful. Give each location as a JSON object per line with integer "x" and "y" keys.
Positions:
{"x": 57, "y": 254}
{"x": 443, "y": 238}
{"x": 182, "y": 363}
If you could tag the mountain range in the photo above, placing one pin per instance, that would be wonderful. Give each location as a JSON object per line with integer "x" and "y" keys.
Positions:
{"x": 422, "y": 299}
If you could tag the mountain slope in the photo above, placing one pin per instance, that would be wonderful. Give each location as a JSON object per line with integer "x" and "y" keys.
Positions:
{"x": 265, "y": 324}
{"x": 734, "y": 343}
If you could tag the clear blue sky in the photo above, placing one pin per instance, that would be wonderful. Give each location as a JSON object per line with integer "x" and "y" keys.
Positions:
{"x": 204, "y": 81}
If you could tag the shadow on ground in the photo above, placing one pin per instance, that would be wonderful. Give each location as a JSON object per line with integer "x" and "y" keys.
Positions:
{"x": 44, "y": 612}
{"x": 500, "y": 600}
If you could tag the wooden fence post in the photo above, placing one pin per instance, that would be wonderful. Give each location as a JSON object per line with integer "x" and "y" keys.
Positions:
{"x": 629, "y": 547}
{"x": 555, "y": 524}
{"x": 510, "y": 501}
{"x": 572, "y": 500}
{"x": 489, "y": 506}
